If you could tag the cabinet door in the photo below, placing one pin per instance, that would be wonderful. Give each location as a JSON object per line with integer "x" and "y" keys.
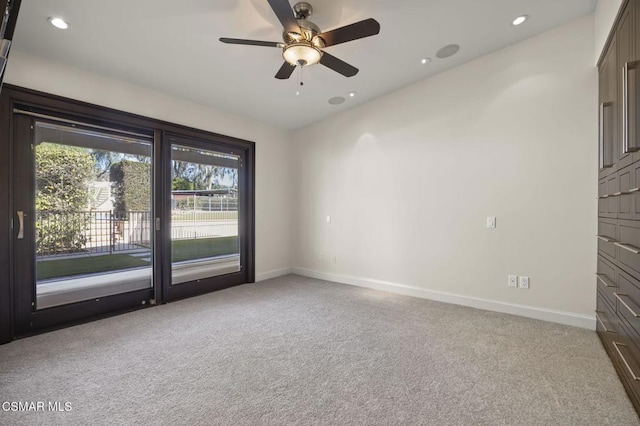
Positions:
{"x": 608, "y": 203}
{"x": 627, "y": 70}
{"x": 606, "y": 322}
{"x": 608, "y": 130}
{"x": 607, "y": 281}
{"x": 607, "y": 239}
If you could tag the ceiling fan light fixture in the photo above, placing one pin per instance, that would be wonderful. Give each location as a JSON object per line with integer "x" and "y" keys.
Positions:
{"x": 303, "y": 54}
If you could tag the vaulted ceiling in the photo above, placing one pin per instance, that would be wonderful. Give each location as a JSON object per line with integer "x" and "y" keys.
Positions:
{"x": 172, "y": 46}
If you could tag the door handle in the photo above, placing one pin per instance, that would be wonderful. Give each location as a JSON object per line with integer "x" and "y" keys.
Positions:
{"x": 21, "y": 224}
{"x": 601, "y": 136}
{"x": 605, "y": 162}
{"x": 625, "y": 108}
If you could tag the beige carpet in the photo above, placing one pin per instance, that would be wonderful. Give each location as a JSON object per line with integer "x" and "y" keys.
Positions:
{"x": 295, "y": 350}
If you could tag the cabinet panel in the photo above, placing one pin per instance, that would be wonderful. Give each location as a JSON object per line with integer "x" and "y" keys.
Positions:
{"x": 606, "y": 323}
{"x": 602, "y": 198}
{"x": 625, "y": 197}
{"x": 608, "y": 202}
{"x": 629, "y": 193}
{"x": 626, "y": 85}
{"x": 612, "y": 200}
{"x": 607, "y": 238}
{"x": 629, "y": 247}
{"x": 628, "y": 301}
{"x": 606, "y": 319}
{"x": 607, "y": 281}
{"x": 626, "y": 353}
{"x": 608, "y": 95}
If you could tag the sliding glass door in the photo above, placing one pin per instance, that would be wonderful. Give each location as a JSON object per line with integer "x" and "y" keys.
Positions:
{"x": 84, "y": 216}
{"x": 114, "y": 215}
{"x": 92, "y": 206}
{"x": 204, "y": 212}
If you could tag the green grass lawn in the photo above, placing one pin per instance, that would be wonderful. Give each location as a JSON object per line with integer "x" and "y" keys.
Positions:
{"x": 203, "y": 247}
{"x": 182, "y": 250}
{"x": 86, "y": 265}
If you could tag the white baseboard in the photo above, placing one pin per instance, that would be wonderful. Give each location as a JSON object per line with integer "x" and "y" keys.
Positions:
{"x": 560, "y": 317}
{"x": 273, "y": 274}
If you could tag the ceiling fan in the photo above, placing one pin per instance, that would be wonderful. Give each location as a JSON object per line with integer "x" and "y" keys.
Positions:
{"x": 303, "y": 43}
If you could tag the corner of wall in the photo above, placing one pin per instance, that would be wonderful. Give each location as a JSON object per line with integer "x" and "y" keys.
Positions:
{"x": 453, "y": 151}
{"x": 603, "y": 19}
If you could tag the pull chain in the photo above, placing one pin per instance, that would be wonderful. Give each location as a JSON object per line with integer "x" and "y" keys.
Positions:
{"x": 300, "y": 82}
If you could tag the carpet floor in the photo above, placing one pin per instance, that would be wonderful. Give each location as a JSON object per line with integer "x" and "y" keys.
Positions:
{"x": 295, "y": 350}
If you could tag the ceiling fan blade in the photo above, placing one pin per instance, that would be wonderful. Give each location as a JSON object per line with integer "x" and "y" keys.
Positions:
{"x": 338, "y": 65}
{"x": 251, "y": 42}
{"x": 283, "y": 11}
{"x": 361, "y": 29}
{"x": 285, "y": 71}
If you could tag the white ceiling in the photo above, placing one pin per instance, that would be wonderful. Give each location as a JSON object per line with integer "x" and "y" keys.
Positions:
{"x": 172, "y": 46}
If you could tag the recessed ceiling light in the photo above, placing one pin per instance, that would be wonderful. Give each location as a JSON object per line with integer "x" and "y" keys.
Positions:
{"x": 448, "y": 51}
{"x": 519, "y": 20}
{"x": 425, "y": 61}
{"x": 58, "y": 23}
{"x": 352, "y": 94}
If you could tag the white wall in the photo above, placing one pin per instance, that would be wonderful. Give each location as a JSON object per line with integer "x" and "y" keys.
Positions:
{"x": 604, "y": 15}
{"x": 410, "y": 178}
{"x": 273, "y": 174}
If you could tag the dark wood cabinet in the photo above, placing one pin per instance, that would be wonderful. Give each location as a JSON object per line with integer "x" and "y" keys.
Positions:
{"x": 607, "y": 278}
{"x": 607, "y": 239}
{"x": 607, "y": 196}
{"x": 606, "y": 322}
{"x": 626, "y": 62}
{"x": 608, "y": 81}
{"x": 618, "y": 271}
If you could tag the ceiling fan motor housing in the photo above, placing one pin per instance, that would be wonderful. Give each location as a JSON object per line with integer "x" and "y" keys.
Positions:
{"x": 302, "y": 10}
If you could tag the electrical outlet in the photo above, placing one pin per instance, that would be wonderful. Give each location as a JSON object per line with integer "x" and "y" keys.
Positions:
{"x": 524, "y": 282}
{"x": 513, "y": 281}
{"x": 321, "y": 257}
{"x": 328, "y": 220}
{"x": 491, "y": 222}
{"x": 334, "y": 259}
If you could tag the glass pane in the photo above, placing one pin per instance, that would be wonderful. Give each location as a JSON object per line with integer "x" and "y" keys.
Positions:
{"x": 92, "y": 214}
{"x": 204, "y": 214}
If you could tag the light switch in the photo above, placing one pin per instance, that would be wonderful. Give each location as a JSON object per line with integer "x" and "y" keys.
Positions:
{"x": 328, "y": 219}
{"x": 491, "y": 222}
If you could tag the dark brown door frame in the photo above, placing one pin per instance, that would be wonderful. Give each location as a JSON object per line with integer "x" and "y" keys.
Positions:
{"x": 25, "y": 319}
{"x": 13, "y": 97}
